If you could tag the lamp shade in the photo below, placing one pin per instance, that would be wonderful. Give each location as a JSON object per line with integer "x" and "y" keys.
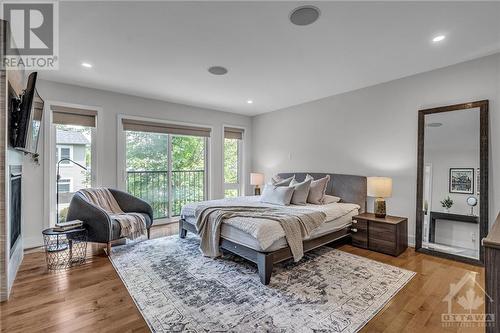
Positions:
{"x": 256, "y": 179}
{"x": 379, "y": 187}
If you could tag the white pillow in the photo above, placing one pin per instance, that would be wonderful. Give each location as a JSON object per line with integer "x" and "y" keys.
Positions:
{"x": 278, "y": 181}
{"x": 327, "y": 199}
{"x": 277, "y": 195}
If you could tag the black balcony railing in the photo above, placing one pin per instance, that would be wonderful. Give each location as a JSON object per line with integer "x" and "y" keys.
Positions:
{"x": 153, "y": 187}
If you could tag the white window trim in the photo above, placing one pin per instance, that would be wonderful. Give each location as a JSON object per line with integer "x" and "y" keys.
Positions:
{"x": 241, "y": 185}
{"x": 121, "y": 155}
{"x": 69, "y": 181}
{"x": 49, "y": 146}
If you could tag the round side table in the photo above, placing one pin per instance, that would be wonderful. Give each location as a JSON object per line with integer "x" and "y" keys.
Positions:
{"x": 64, "y": 249}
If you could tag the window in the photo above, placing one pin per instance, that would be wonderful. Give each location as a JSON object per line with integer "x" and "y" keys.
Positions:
{"x": 64, "y": 185}
{"x": 147, "y": 166}
{"x": 166, "y": 165}
{"x": 64, "y": 152}
{"x": 74, "y": 143}
{"x": 232, "y": 161}
{"x": 74, "y": 132}
{"x": 188, "y": 171}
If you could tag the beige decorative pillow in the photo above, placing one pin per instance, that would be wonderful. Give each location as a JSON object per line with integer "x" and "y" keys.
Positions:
{"x": 317, "y": 190}
{"x": 301, "y": 191}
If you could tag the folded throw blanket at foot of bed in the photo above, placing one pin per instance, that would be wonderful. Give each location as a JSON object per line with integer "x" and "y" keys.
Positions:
{"x": 296, "y": 224}
{"x": 132, "y": 225}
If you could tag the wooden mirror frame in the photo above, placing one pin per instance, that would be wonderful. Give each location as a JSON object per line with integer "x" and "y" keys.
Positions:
{"x": 483, "y": 178}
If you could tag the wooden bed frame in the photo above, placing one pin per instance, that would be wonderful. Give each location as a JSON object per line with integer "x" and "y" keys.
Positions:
{"x": 266, "y": 260}
{"x": 349, "y": 188}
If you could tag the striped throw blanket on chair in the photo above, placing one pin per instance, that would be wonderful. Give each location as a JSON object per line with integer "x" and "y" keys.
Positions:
{"x": 133, "y": 225}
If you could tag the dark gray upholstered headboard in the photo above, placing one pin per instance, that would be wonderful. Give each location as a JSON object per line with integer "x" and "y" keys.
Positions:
{"x": 348, "y": 187}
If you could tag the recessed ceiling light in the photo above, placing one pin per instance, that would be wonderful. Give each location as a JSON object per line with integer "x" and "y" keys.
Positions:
{"x": 434, "y": 124}
{"x": 218, "y": 70}
{"x": 86, "y": 65}
{"x": 439, "y": 38}
{"x": 304, "y": 15}
{"x": 250, "y": 101}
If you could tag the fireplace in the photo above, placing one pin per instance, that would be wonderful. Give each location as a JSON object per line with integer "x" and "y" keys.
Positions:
{"x": 15, "y": 205}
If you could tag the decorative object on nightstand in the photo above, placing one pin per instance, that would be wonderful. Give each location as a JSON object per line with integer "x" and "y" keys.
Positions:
{"x": 379, "y": 188}
{"x": 256, "y": 179}
{"x": 64, "y": 249}
{"x": 387, "y": 235}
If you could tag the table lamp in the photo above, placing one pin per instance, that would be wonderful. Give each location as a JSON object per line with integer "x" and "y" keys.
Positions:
{"x": 379, "y": 188}
{"x": 256, "y": 179}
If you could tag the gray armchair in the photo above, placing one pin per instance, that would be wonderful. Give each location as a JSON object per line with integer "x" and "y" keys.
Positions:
{"x": 100, "y": 227}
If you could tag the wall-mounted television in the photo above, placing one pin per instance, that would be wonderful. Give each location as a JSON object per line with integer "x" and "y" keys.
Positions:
{"x": 26, "y": 118}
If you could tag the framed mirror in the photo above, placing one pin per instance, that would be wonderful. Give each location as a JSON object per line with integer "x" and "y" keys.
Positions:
{"x": 452, "y": 181}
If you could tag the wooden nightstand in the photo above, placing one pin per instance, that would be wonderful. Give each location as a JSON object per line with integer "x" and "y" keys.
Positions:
{"x": 387, "y": 235}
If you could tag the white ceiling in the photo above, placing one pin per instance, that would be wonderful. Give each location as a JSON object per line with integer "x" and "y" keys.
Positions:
{"x": 162, "y": 49}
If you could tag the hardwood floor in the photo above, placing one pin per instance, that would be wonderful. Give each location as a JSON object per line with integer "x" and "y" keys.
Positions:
{"x": 419, "y": 305}
{"x": 92, "y": 298}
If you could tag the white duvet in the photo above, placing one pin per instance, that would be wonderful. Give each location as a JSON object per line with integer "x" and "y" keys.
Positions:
{"x": 267, "y": 231}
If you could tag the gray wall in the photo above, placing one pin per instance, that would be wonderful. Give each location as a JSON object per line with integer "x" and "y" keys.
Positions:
{"x": 373, "y": 131}
{"x": 113, "y": 104}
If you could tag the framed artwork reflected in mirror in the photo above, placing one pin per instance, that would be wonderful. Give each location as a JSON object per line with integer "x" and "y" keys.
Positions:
{"x": 461, "y": 180}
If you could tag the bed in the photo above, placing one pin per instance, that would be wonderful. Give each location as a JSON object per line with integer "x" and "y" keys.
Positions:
{"x": 266, "y": 244}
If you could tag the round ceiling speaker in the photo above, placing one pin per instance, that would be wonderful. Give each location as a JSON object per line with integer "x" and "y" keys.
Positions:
{"x": 304, "y": 15}
{"x": 217, "y": 70}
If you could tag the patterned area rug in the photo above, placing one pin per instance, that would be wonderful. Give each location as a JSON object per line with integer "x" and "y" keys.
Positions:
{"x": 178, "y": 290}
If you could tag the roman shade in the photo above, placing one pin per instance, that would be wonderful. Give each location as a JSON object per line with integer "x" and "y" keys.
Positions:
{"x": 233, "y": 133}
{"x": 64, "y": 115}
{"x": 157, "y": 127}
